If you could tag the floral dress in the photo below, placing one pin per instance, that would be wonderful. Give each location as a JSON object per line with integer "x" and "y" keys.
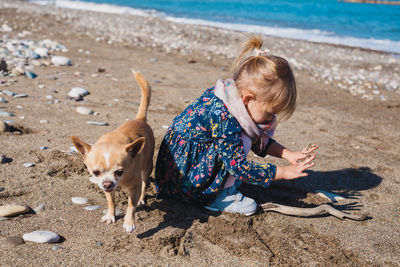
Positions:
{"x": 199, "y": 151}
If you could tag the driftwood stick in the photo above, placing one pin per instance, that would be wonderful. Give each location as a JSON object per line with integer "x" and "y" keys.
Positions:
{"x": 308, "y": 212}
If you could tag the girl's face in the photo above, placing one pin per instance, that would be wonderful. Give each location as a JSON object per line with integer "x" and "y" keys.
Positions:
{"x": 259, "y": 111}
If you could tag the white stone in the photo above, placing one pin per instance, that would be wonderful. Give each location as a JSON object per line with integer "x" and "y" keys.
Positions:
{"x": 60, "y": 61}
{"x": 42, "y": 51}
{"x": 79, "y": 200}
{"x": 77, "y": 92}
{"x": 90, "y": 208}
{"x": 84, "y": 111}
{"x": 28, "y": 165}
{"x": 12, "y": 210}
{"x": 41, "y": 237}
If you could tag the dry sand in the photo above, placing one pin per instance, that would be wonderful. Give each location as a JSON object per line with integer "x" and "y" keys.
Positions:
{"x": 358, "y": 158}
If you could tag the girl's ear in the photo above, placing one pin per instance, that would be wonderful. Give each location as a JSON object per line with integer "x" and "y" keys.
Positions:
{"x": 246, "y": 98}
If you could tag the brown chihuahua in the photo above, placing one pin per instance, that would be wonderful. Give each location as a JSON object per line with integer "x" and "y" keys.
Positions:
{"x": 123, "y": 157}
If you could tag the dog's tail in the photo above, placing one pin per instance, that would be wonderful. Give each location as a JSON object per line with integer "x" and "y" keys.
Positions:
{"x": 146, "y": 95}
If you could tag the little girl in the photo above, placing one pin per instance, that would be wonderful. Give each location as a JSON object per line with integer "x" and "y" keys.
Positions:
{"x": 202, "y": 158}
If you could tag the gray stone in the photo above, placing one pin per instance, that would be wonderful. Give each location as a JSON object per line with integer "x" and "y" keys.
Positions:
{"x": 55, "y": 248}
{"x": 9, "y": 93}
{"x": 39, "y": 208}
{"x": 15, "y": 240}
{"x": 3, "y": 100}
{"x": 30, "y": 75}
{"x": 5, "y": 114}
{"x": 98, "y": 123}
{"x": 41, "y": 237}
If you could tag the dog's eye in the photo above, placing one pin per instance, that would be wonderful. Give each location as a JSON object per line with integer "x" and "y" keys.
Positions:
{"x": 118, "y": 172}
{"x": 96, "y": 173}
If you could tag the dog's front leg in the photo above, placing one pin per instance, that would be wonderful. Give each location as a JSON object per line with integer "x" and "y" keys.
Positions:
{"x": 129, "y": 220}
{"x": 110, "y": 216}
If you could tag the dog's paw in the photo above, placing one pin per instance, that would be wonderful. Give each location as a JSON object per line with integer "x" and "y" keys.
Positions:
{"x": 129, "y": 228}
{"x": 108, "y": 218}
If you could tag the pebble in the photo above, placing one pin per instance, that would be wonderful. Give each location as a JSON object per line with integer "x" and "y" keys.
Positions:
{"x": 42, "y": 51}
{"x": 3, "y": 100}
{"x": 9, "y": 93}
{"x": 3, "y": 126}
{"x": 13, "y": 210}
{"x": 41, "y": 237}
{"x": 5, "y": 114}
{"x": 79, "y": 200}
{"x": 98, "y": 123}
{"x": 90, "y": 208}
{"x": 44, "y": 121}
{"x": 84, "y": 111}
{"x": 60, "y": 61}
{"x": 165, "y": 126}
{"x": 118, "y": 212}
{"x": 99, "y": 243}
{"x": 30, "y": 75}
{"x": 2, "y": 189}
{"x": 39, "y": 208}
{"x": 43, "y": 148}
{"x": 15, "y": 240}
{"x": 328, "y": 195}
{"x": 28, "y": 165}
{"x": 55, "y": 248}
{"x": 20, "y": 96}
{"x": 77, "y": 93}
{"x": 4, "y": 159}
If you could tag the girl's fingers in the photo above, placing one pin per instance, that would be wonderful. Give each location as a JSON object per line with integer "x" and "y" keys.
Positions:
{"x": 306, "y": 160}
{"x": 310, "y": 148}
{"x": 307, "y": 165}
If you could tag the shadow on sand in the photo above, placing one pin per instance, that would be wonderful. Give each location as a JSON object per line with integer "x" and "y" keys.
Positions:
{"x": 349, "y": 183}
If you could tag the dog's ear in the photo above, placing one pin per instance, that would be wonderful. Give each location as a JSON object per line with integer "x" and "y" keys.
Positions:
{"x": 135, "y": 147}
{"x": 82, "y": 147}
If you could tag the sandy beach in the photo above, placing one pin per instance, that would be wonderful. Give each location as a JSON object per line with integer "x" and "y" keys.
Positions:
{"x": 348, "y": 104}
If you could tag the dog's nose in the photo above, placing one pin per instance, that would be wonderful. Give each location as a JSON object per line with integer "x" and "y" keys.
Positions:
{"x": 107, "y": 185}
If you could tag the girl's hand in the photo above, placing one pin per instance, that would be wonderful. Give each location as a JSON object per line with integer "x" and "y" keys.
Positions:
{"x": 296, "y": 158}
{"x": 300, "y": 161}
{"x": 295, "y": 171}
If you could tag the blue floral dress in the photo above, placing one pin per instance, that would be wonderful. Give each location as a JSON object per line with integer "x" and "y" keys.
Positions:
{"x": 199, "y": 151}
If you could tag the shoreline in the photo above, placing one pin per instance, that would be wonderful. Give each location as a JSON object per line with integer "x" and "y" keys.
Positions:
{"x": 311, "y": 35}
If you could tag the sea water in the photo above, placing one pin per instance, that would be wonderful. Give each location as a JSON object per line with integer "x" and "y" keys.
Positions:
{"x": 372, "y": 26}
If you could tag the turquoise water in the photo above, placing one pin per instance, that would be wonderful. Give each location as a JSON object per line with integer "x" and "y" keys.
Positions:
{"x": 366, "y": 25}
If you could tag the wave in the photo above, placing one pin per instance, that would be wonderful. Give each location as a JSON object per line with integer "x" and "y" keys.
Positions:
{"x": 292, "y": 33}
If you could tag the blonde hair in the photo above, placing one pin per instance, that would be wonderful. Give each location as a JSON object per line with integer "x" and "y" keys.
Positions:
{"x": 266, "y": 76}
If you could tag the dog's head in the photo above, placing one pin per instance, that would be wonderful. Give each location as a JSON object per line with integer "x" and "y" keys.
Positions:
{"x": 108, "y": 162}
